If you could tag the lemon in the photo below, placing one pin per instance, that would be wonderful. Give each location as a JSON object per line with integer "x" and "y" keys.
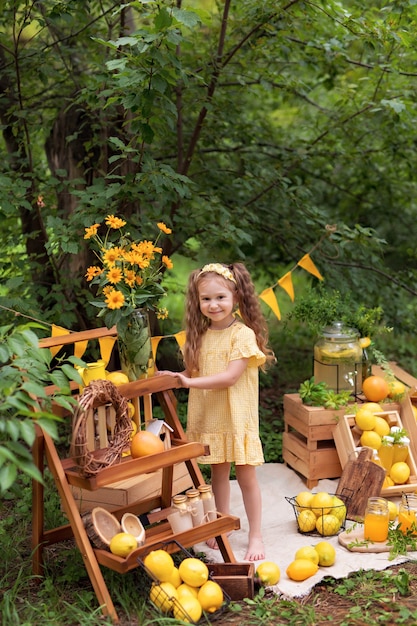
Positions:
{"x": 175, "y": 578}
{"x": 414, "y": 409}
{"x": 117, "y": 378}
{"x": 162, "y": 595}
{"x": 307, "y": 552}
{"x": 365, "y": 419}
{"x": 328, "y": 525}
{"x": 268, "y": 573}
{"x": 301, "y": 569}
{"x": 321, "y": 503}
{"x": 160, "y": 564}
{"x": 371, "y": 439}
{"x": 393, "y": 511}
{"x": 186, "y": 590}
{"x": 303, "y": 499}
{"x": 131, "y": 409}
{"x": 210, "y": 596}
{"x": 188, "y": 609}
{"x": 388, "y": 482}
{"x": 364, "y": 342}
{"x": 306, "y": 521}
{"x": 396, "y": 389}
{"x": 122, "y": 544}
{"x": 382, "y": 427}
{"x": 193, "y": 572}
{"x": 400, "y": 473}
{"x": 326, "y": 552}
{"x": 374, "y": 407}
{"x": 339, "y": 509}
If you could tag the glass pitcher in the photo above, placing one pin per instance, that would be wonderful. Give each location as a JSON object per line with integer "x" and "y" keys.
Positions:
{"x": 338, "y": 358}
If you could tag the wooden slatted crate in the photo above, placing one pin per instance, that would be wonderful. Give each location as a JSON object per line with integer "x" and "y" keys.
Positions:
{"x": 346, "y": 436}
{"x": 308, "y": 446}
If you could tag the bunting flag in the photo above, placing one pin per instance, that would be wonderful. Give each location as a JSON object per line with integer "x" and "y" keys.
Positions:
{"x": 286, "y": 283}
{"x": 268, "y": 296}
{"x": 106, "y": 346}
{"x": 307, "y": 264}
{"x": 180, "y": 337}
{"x": 57, "y": 331}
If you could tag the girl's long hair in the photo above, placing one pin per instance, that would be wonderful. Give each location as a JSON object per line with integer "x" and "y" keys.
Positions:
{"x": 249, "y": 310}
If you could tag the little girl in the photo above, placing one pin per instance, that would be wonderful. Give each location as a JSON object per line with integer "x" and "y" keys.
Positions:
{"x": 222, "y": 355}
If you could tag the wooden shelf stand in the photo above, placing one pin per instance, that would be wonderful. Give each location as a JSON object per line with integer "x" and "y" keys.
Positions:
{"x": 66, "y": 476}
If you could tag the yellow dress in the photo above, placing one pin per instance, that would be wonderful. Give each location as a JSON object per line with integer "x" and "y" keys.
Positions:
{"x": 228, "y": 419}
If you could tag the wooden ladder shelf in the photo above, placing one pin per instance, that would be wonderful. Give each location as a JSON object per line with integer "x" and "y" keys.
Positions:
{"x": 66, "y": 475}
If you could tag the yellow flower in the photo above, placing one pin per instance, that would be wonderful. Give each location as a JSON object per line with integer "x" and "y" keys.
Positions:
{"x": 92, "y": 272}
{"x": 164, "y": 228}
{"x": 162, "y": 314}
{"x": 114, "y": 275}
{"x": 111, "y": 255}
{"x": 91, "y": 231}
{"x": 115, "y": 299}
{"x": 167, "y": 262}
{"x": 114, "y": 222}
{"x": 130, "y": 278}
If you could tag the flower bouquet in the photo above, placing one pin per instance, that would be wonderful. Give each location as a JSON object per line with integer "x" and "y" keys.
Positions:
{"x": 128, "y": 278}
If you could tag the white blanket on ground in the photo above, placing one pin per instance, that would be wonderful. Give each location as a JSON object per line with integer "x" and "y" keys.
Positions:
{"x": 281, "y": 537}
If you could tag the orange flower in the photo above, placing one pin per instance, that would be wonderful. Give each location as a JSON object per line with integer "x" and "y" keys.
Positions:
{"x": 91, "y": 231}
{"x": 167, "y": 262}
{"x": 92, "y": 272}
{"x": 164, "y": 228}
{"x": 114, "y": 222}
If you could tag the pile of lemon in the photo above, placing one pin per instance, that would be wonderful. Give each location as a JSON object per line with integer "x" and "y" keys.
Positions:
{"x": 184, "y": 591}
{"x": 308, "y": 559}
{"x": 374, "y": 428}
{"x": 321, "y": 512}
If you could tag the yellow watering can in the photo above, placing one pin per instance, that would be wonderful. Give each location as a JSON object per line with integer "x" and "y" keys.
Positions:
{"x": 93, "y": 371}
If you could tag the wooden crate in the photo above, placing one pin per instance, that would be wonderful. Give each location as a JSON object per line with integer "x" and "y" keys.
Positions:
{"x": 308, "y": 446}
{"x": 125, "y": 492}
{"x": 237, "y": 579}
{"x": 347, "y": 435}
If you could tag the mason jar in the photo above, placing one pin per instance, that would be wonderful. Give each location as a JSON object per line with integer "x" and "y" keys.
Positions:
{"x": 376, "y": 522}
{"x": 338, "y": 359}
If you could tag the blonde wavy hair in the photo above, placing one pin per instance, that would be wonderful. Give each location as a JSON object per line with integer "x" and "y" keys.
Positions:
{"x": 196, "y": 324}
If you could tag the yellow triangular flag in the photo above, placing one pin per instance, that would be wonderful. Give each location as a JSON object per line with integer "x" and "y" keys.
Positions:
{"x": 286, "y": 283}
{"x": 269, "y": 297}
{"x": 180, "y": 337}
{"x": 79, "y": 348}
{"x": 307, "y": 264}
{"x": 57, "y": 331}
{"x": 155, "y": 342}
{"x": 106, "y": 347}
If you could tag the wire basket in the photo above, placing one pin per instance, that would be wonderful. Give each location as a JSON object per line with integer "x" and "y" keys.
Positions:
{"x": 322, "y": 521}
{"x": 167, "y": 605}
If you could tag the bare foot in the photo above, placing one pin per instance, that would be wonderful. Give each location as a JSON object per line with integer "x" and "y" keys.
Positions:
{"x": 256, "y": 550}
{"x": 212, "y": 543}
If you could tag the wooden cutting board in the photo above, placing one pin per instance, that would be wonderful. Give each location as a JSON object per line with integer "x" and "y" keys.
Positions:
{"x": 361, "y": 479}
{"x": 354, "y": 541}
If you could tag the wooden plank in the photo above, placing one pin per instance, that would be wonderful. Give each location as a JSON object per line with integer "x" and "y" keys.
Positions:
{"x": 361, "y": 479}
{"x": 321, "y": 432}
{"x": 311, "y": 415}
{"x": 129, "y": 467}
{"x": 74, "y": 337}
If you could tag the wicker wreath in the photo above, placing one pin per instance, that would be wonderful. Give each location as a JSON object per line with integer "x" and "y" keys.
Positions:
{"x": 99, "y": 393}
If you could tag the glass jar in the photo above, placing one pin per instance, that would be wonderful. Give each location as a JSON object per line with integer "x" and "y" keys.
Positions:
{"x": 209, "y": 503}
{"x": 376, "y": 522}
{"x": 401, "y": 450}
{"x": 386, "y": 452}
{"x": 407, "y": 511}
{"x": 180, "y": 502}
{"x": 338, "y": 359}
{"x": 195, "y": 506}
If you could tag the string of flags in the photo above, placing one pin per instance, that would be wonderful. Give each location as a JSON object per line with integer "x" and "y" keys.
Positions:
{"x": 267, "y": 295}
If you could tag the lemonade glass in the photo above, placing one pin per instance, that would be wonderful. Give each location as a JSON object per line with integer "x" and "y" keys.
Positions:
{"x": 376, "y": 521}
{"x": 407, "y": 513}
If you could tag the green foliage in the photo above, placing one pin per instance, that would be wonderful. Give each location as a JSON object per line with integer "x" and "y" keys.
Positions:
{"x": 25, "y": 371}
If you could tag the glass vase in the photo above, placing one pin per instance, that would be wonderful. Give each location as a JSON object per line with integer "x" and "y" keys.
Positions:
{"x": 134, "y": 341}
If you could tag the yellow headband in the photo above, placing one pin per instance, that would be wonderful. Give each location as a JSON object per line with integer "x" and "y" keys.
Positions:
{"x": 220, "y": 269}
